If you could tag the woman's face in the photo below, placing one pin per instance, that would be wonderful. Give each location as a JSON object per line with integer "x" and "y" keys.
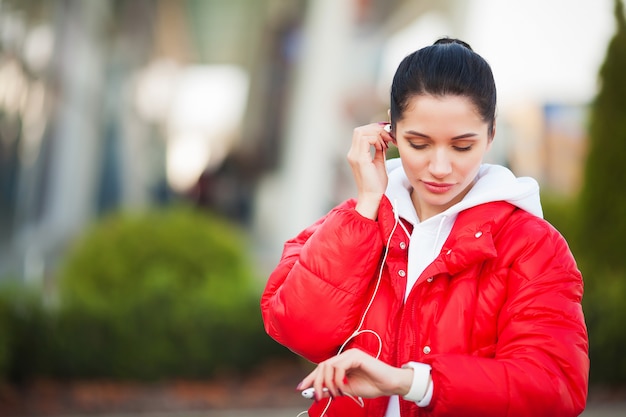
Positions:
{"x": 442, "y": 142}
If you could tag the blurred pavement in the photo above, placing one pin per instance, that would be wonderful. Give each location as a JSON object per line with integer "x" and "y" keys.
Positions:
{"x": 613, "y": 409}
{"x": 617, "y": 409}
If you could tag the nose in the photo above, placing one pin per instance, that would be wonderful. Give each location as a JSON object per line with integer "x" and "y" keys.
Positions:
{"x": 440, "y": 165}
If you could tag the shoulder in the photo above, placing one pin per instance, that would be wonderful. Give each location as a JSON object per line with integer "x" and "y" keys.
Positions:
{"x": 533, "y": 248}
{"x": 340, "y": 216}
{"x": 528, "y": 229}
{"x": 510, "y": 222}
{"x": 518, "y": 235}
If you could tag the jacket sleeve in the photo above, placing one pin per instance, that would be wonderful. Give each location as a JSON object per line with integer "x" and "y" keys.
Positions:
{"x": 313, "y": 299}
{"x": 541, "y": 362}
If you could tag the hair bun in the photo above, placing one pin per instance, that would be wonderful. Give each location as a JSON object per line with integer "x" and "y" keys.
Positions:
{"x": 446, "y": 41}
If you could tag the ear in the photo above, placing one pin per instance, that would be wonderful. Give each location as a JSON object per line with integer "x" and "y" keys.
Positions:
{"x": 493, "y": 135}
{"x": 393, "y": 134}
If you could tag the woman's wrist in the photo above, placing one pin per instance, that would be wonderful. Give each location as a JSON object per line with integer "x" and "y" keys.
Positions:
{"x": 405, "y": 380}
{"x": 367, "y": 205}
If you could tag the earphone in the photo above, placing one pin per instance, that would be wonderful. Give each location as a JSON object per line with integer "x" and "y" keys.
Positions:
{"x": 310, "y": 392}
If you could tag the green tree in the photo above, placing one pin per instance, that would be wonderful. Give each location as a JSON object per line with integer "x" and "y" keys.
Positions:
{"x": 603, "y": 198}
{"x": 602, "y": 216}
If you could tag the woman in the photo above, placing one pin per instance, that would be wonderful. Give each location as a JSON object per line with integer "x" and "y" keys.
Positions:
{"x": 439, "y": 290}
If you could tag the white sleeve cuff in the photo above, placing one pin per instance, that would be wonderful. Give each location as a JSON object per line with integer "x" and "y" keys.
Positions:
{"x": 421, "y": 390}
{"x": 425, "y": 402}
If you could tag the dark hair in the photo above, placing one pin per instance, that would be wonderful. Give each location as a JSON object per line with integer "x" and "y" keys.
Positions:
{"x": 449, "y": 66}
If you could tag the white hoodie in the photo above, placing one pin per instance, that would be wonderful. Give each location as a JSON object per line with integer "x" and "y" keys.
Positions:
{"x": 493, "y": 183}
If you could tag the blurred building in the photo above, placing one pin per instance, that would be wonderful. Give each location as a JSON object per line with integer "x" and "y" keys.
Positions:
{"x": 122, "y": 105}
{"x": 244, "y": 107}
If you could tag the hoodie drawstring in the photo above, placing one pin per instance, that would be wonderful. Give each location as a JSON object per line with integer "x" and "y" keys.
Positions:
{"x": 443, "y": 219}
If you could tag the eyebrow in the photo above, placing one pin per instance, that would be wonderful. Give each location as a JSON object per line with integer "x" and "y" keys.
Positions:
{"x": 422, "y": 135}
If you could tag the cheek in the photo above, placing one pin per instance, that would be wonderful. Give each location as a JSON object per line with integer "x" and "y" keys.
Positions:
{"x": 469, "y": 167}
{"x": 411, "y": 160}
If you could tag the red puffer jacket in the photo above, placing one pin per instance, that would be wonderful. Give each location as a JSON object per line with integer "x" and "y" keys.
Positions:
{"x": 497, "y": 314}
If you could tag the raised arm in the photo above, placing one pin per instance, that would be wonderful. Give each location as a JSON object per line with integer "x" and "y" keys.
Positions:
{"x": 315, "y": 296}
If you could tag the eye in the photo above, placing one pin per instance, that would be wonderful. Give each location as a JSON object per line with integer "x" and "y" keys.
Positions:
{"x": 418, "y": 146}
{"x": 463, "y": 145}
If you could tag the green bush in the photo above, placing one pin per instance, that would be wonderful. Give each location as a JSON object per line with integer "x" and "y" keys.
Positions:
{"x": 22, "y": 330}
{"x": 169, "y": 293}
{"x": 605, "y": 313}
{"x": 5, "y": 335}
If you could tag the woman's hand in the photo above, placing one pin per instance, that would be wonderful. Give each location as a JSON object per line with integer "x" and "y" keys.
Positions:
{"x": 358, "y": 374}
{"x": 369, "y": 173}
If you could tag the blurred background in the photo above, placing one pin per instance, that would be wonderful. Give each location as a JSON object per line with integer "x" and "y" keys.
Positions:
{"x": 156, "y": 154}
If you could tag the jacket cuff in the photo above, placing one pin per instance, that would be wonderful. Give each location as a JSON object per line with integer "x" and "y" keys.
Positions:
{"x": 421, "y": 381}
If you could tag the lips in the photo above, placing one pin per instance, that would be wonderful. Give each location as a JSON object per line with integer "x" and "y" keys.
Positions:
{"x": 437, "y": 187}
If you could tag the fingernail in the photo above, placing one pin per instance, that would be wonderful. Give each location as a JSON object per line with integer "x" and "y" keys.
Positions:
{"x": 299, "y": 386}
{"x": 383, "y": 123}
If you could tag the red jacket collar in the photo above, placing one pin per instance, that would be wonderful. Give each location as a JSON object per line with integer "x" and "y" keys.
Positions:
{"x": 470, "y": 241}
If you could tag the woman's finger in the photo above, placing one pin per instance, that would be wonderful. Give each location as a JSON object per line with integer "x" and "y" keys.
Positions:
{"x": 320, "y": 381}
{"x": 329, "y": 377}
{"x": 340, "y": 381}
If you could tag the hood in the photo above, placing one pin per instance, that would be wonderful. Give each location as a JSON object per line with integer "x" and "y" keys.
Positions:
{"x": 494, "y": 183}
